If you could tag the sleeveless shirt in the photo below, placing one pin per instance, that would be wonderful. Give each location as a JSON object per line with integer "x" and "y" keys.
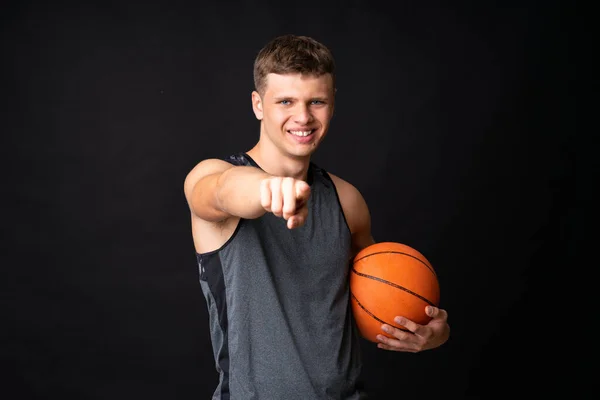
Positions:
{"x": 280, "y": 320}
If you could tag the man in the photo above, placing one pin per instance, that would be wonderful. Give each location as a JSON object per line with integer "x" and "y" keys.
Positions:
{"x": 274, "y": 236}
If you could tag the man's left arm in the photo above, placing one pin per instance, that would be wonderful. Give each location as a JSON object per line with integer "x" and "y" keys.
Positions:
{"x": 420, "y": 337}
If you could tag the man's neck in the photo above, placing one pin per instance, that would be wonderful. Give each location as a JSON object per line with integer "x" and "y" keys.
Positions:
{"x": 273, "y": 162}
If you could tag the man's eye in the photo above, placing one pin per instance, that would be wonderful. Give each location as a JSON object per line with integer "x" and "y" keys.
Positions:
{"x": 284, "y": 102}
{"x": 317, "y": 102}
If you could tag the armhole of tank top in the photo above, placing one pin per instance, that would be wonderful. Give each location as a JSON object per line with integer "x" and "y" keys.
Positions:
{"x": 337, "y": 196}
{"x": 233, "y": 235}
{"x": 231, "y": 161}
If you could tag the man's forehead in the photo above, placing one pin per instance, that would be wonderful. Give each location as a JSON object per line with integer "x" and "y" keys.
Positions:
{"x": 299, "y": 82}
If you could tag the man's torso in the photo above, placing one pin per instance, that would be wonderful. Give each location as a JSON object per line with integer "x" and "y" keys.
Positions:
{"x": 281, "y": 325}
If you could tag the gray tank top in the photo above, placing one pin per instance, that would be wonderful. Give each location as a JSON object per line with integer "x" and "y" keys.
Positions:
{"x": 280, "y": 319}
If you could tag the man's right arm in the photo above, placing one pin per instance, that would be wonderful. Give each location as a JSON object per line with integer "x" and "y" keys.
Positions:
{"x": 216, "y": 190}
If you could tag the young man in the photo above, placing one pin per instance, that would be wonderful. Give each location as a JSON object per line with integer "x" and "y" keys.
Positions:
{"x": 274, "y": 236}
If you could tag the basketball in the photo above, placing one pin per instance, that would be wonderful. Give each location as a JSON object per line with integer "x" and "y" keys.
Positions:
{"x": 390, "y": 279}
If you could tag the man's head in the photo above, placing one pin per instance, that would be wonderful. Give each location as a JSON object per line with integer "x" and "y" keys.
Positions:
{"x": 294, "y": 96}
{"x": 291, "y": 54}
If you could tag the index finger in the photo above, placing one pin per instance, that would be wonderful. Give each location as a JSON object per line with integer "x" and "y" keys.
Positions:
{"x": 408, "y": 324}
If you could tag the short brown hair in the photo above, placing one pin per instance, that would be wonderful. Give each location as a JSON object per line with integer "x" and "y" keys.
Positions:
{"x": 290, "y": 54}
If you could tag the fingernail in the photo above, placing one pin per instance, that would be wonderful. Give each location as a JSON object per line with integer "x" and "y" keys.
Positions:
{"x": 386, "y": 328}
{"x": 399, "y": 320}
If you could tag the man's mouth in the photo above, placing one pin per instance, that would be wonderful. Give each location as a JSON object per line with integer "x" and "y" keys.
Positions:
{"x": 301, "y": 133}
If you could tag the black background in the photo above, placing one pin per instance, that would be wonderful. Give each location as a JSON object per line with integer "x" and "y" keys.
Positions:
{"x": 453, "y": 119}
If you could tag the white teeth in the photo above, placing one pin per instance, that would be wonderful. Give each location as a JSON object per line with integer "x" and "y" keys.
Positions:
{"x": 301, "y": 133}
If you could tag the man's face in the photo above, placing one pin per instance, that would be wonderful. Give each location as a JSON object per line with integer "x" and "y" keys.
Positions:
{"x": 295, "y": 112}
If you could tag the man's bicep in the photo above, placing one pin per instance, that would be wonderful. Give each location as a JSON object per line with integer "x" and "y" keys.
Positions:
{"x": 199, "y": 187}
{"x": 357, "y": 214}
{"x": 361, "y": 226}
{"x": 360, "y": 240}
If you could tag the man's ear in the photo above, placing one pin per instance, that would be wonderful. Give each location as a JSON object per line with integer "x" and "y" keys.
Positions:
{"x": 257, "y": 105}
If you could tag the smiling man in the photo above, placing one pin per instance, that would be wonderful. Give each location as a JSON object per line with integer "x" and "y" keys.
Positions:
{"x": 274, "y": 236}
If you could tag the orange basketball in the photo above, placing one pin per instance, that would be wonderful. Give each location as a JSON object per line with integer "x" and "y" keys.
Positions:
{"x": 390, "y": 279}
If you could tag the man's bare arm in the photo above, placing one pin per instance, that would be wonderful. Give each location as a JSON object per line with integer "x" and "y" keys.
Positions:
{"x": 357, "y": 214}
{"x": 216, "y": 190}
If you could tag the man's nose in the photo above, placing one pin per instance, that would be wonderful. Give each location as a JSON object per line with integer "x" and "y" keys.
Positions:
{"x": 302, "y": 115}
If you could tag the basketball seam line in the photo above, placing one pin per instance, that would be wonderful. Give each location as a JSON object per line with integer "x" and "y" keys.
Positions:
{"x": 399, "y": 252}
{"x": 394, "y": 285}
{"x": 375, "y": 317}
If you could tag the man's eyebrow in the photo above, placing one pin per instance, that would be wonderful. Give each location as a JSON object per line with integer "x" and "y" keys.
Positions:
{"x": 283, "y": 97}
{"x": 279, "y": 98}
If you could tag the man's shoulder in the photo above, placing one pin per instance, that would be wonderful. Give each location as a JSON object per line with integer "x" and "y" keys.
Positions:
{"x": 204, "y": 168}
{"x": 349, "y": 194}
{"x": 340, "y": 183}
{"x": 215, "y": 163}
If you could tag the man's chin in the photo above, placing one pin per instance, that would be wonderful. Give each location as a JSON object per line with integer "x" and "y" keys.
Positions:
{"x": 303, "y": 153}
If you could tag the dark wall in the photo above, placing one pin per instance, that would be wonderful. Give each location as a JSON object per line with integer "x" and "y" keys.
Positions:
{"x": 452, "y": 120}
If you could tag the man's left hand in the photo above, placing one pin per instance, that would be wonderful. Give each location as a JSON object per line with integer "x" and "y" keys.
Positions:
{"x": 420, "y": 337}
